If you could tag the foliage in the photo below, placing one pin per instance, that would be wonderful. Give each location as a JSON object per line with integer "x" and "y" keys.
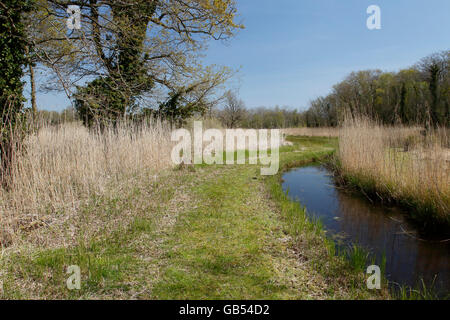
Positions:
{"x": 135, "y": 50}
{"x": 102, "y": 100}
{"x": 276, "y": 117}
{"x": 13, "y": 46}
{"x": 177, "y": 109}
{"x": 418, "y": 95}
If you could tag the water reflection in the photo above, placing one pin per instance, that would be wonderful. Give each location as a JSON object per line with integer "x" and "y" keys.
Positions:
{"x": 349, "y": 219}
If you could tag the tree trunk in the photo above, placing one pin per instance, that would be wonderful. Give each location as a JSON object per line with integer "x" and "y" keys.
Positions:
{"x": 32, "y": 84}
{"x": 33, "y": 90}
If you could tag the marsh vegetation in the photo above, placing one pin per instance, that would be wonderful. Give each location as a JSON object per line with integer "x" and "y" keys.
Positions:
{"x": 95, "y": 185}
{"x": 404, "y": 165}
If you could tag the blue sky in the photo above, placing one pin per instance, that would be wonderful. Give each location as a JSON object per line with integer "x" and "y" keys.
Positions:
{"x": 293, "y": 51}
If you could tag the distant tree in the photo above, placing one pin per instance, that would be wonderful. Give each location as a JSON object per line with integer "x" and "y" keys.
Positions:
{"x": 268, "y": 118}
{"x": 54, "y": 117}
{"x": 435, "y": 70}
{"x": 233, "y": 111}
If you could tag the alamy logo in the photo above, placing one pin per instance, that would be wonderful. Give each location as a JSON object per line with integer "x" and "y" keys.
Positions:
{"x": 74, "y": 20}
{"x": 374, "y": 281}
{"x": 74, "y": 281}
{"x": 260, "y": 142}
{"x": 374, "y": 20}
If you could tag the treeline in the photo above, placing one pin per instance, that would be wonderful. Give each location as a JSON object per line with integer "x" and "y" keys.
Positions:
{"x": 418, "y": 95}
{"x": 233, "y": 113}
{"x": 269, "y": 118}
{"x": 55, "y": 117}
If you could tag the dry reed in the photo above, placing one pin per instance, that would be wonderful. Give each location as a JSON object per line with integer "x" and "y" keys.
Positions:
{"x": 406, "y": 165}
{"x": 61, "y": 167}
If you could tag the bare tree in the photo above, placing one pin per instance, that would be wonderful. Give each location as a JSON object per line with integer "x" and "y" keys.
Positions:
{"x": 233, "y": 111}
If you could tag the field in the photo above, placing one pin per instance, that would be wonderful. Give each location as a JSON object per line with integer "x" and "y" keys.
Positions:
{"x": 139, "y": 227}
{"x": 163, "y": 232}
{"x": 194, "y": 150}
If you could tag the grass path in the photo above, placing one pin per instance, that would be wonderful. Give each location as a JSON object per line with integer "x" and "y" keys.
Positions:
{"x": 210, "y": 232}
{"x": 231, "y": 245}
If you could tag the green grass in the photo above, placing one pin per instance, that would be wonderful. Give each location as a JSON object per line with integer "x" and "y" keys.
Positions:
{"x": 219, "y": 249}
{"x": 422, "y": 292}
{"x": 105, "y": 265}
{"x": 114, "y": 263}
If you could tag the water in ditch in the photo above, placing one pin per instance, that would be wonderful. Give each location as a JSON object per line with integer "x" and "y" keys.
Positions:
{"x": 349, "y": 219}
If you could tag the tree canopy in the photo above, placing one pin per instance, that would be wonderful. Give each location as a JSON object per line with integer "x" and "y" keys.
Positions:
{"x": 134, "y": 50}
{"x": 418, "y": 95}
{"x": 13, "y": 56}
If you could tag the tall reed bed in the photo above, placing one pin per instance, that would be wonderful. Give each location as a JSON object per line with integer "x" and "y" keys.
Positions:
{"x": 407, "y": 165}
{"x": 60, "y": 167}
